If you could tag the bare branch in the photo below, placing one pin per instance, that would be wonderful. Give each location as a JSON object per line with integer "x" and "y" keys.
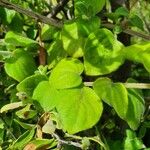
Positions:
{"x": 128, "y": 31}
{"x": 128, "y": 85}
{"x": 60, "y": 141}
{"x": 34, "y": 15}
{"x": 58, "y": 8}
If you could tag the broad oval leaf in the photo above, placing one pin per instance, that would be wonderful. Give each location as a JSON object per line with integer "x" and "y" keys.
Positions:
{"x": 114, "y": 94}
{"x": 46, "y": 95}
{"x": 79, "y": 109}
{"x": 20, "y": 65}
{"x": 102, "y": 53}
{"x": 66, "y": 74}
{"x": 29, "y": 84}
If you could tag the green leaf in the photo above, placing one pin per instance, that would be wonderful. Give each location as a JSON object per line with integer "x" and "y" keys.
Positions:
{"x": 136, "y": 107}
{"x": 25, "y": 125}
{"x": 18, "y": 40}
{"x": 137, "y": 22}
{"x": 26, "y": 113}
{"x": 102, "y": 53}
{"x": 49, "y": 32}
{"x": 29, "y": 84}
{"x": 132, "y": 142}
{"x": 74, "y": 33}
{"x": 95, "y": 6}
{"x": 122, "y": 11}
{"x": 114, "y": 94}
{"x": 79, "y": 109}
{"x": 20, "y": 65}
{"x": 23, "y": 139}
{"x": 55, "y": 52}
{"x": 73, "y": 43}
{"x": 67, "y": 74}
{"x": 139, "y": 53}
{"x": 46, "y": 95}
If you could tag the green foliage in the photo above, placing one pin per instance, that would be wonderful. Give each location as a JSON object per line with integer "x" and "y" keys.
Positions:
{"x": 77, "y": 86}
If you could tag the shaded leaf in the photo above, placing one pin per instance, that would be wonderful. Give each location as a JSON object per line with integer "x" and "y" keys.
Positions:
{"x": 17, "y": 66}
{"x": 102, "y": 53}
{"x": 23, "y": 139}
{"x": 29, "y": 84}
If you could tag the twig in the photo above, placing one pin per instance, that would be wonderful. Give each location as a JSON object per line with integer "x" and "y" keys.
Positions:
{"x": 58, "y": 8}
{"x": 56, "y": 23}
{"x": 66, "y": 142}
{"x": 128, "y": 31}
{"x": 128, "y": 85}
{"x": 34, "y": 15}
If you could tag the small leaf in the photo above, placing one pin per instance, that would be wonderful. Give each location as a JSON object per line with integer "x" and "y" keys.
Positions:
{"x": 95, "y": 6}
{"x": 18, "y": 40}
{"x": 23, "y": 139}
{"x": 40, "y": 144}
{"x": 11, "y": 106}
{"x": 122, "y": 11}
{"x": 137, "y": 22}
{"x": 17, "y": 66}
{"x": 114, "y": 94}
{"x": 67, "y": 74}
{"x": 26, "y": 113}
{"x": 25, "y": 125}
{"x": 132, "y": 142}
{"x": 136, "y": 107}
{"x": 79, "y": 109}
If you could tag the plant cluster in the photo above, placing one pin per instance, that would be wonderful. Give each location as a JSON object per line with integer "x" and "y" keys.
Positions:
{"x": 74, "y": 75}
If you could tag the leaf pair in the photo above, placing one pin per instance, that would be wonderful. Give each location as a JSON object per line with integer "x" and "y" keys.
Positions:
{"x": 79, "y": 107}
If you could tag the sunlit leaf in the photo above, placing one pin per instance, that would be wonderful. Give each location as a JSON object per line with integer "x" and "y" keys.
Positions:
{"x": 67, "y": 74}
{"x": 79, "y": 109}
